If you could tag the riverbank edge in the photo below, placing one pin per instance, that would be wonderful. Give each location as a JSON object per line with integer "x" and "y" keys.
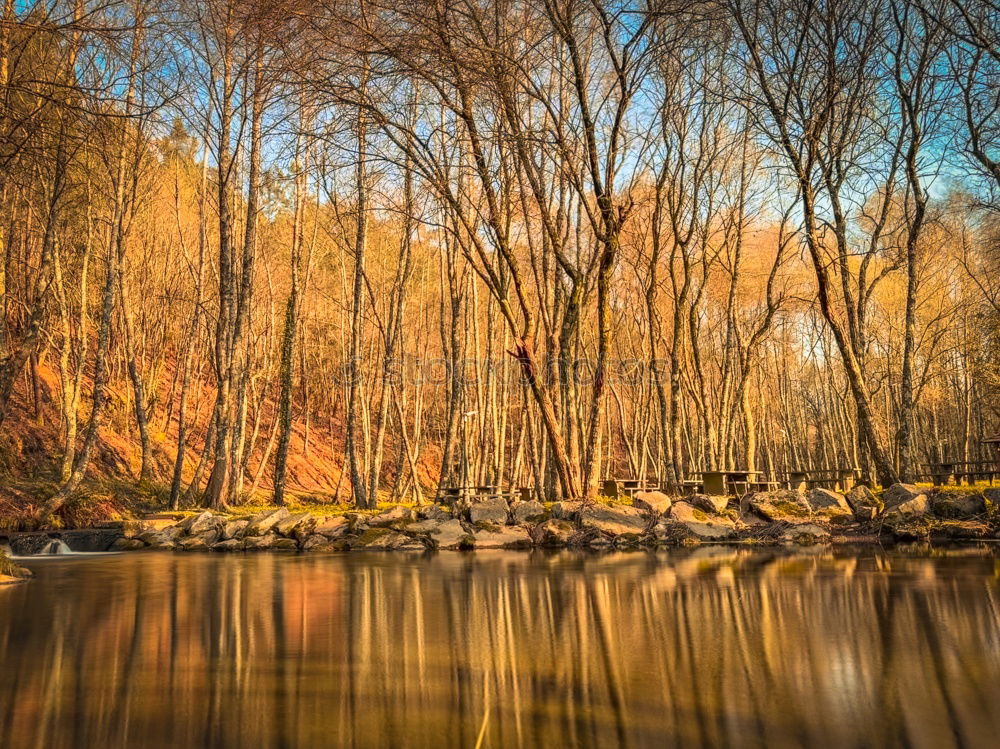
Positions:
{"x": 903, "y": 513}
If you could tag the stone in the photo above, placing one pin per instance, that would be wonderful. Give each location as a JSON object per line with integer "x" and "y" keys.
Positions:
{"x": 289, "y": 525}
{"x": 196, "y": 543}
{"x": 655, "y": 503}
{"x": 395, "y": 514}
{"x": 200, "y": 523}
{"x": 912, "y": 507}
{"x": 959, "y": 530}
{"x": 160, "y": 540}
{"x": 690, "y": 521}
{"x": 567, "y": 510}
{"x": 958, "y": 506}
{"x": 435, "y": 512}
{"x": 444, "y": 534}
{"x": 229, "y": 544}
{"x": 808, "y": 533}
{"x": 317, "y": 542}
{"x": 332, "y": 527}
{"x": 864, "y": 503}
{"x": 614, "y": 520}
{"x": 527, "y": 512}
{"x": 504, "y": 537}
{"x": 285, "y": 544}
{"x": 128, "y": 544}
{"x": 829, "y": 503}
{"x": 261, "y": 524}
{"x": 135, "y": 528}
{"x": 234, "y": 529}
{"x": 386, "y": 539}
{"x": 489, "y": 510}
{"x": 259, "y": 543}
{"x": 784, "y": 505}
{"x": 714, "y": 503}
{"x": 898, "y": 494}
{"x": 554, "y": 532}
{"x": 992, "y": 495}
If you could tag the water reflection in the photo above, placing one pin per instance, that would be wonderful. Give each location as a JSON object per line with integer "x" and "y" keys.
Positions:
{"x": 706, "y": 647}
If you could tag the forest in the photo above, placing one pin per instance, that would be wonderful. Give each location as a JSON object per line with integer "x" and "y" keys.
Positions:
{"x": 355, "y": 251}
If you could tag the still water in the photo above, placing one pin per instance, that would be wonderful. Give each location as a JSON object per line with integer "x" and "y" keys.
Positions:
{"x": 707, "y": 647}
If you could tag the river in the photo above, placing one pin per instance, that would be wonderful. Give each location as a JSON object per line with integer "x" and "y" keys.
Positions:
{"x": 705, "y": 647}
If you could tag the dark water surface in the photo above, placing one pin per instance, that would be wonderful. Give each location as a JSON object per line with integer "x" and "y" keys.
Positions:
{"x": 711, "y": 647}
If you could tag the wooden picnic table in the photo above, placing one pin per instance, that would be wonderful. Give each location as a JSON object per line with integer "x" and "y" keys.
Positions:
{"x": 840, "y": 479}
{"x": 731, "y": 481}
{"x": 962, "y": 470}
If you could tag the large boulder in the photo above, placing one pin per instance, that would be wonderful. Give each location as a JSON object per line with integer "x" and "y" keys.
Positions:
{"x": 262, "y": 524}
{"x": 318, "y": 542}
{"x": 289, "y": 526}
{"x": 489, "y": 510}
{"x": 781, "y": 505}
{"x": 527, "y": 512}
{"x": 688, "y": 521}
{"x": 865, "y": 505}
{"x": 229, "y": 544}
{"x": 285, "y": 544}
{"x": 713, "y": 503}
{"x": 393, "y": 516}
{"x": 905, "y": 500}
{"x": 655, "y": 503}
{"x": 259, "y": 543}
{"x": 332, "y": 527}
{"x": 198, "y": 543}
{"x": 807, "y": 534}
{"x": 554, "y": 532}
{"x": 829, "y": 503}
{"x": 614, "y": 520}
{"x": 386, "y": 539}
{"x": 200, "y": 523}
{"x": 958, "y": 506}
{"x": 234, "y": 529}
{"x": 443, "y": 534}
{"x": 503, "y": 537}
{"x": 161, "y": 540}
{"x": 566, "y": 510}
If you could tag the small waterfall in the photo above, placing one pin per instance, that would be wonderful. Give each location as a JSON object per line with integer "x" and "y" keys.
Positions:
{"x": 55, "y": 546}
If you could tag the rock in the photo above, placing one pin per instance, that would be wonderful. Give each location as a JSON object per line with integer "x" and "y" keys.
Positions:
{"x": 592, "y": 538}
{"x": 567, "y": 510}
{"x": 655, "y": 503}
{"x": 128, "y": 544}
{"x": 386, "y": 539}
{"x": 504, "y": 537}
{"x": 959, "y": 530}
{"x": 392, "y": 515}
{"x": 260, "y": 525}
{"x": 714, "y": 503}
{"x": 259, "y": 543}
{"x": 785, "y": 505}
{"x": 444, "y": 534}
{"x": 689, "y": 521}
{"x": 898, "y": 494}
{"x": 332, "y": 527}
{"x": 317, "y": 542}
{"x": 554, "y": 532}
{"x": 992, "y": 495}
{"x": 135, "y": 528}
{"x": 615, "y": 520}
{"x": 489, "y": 510}
{"x": 829, "y": 503}
{"x": 808, "y": 533}
{"x": 161, "y": 540}
{"x": 864, "y": 503}
{"x": 234, "y": 529}
{"x": 435, "y": 512}
{"x": 285, "y": 544}
{"x": 912, "y": 507}
{"x": 229, "y": 544}
{"x": 958, "y": 506}
{"x": 908, "y": 527}
{"x": 197, "y": 543}
{"x": 527, "y": 512}
{"x": 290, "y": 525}
{"x": 200, "y": 523}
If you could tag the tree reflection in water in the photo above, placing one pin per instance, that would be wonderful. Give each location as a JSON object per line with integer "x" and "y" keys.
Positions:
{"x": 706, "y": 647}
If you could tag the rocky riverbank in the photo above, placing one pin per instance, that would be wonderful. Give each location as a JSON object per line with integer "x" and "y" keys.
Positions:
{"x": 10, "y": 572}
{"x": 902, "y": 512}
